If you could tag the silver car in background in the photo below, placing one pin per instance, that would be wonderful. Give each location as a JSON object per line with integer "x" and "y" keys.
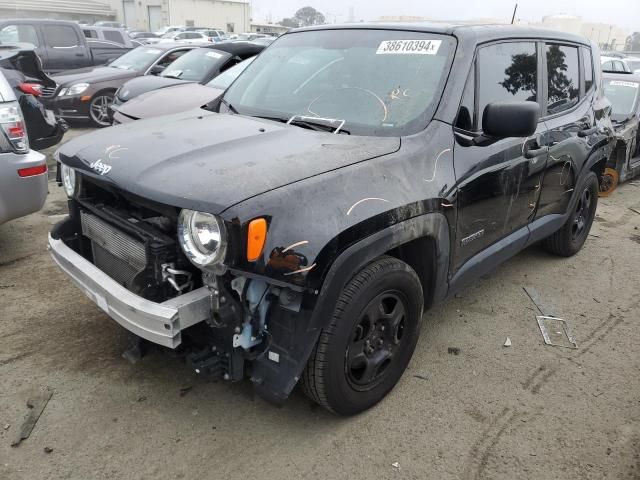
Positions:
{"x": 23, "y": 172}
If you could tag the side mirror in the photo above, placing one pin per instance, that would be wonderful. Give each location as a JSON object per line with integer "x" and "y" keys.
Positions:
{"x": 510, "y": 119}
{"x": 156, "y": 70}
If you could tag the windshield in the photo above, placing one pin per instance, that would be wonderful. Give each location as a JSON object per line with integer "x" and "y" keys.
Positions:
{"x": 623, "y": 96}
{"x": 138, "y": 59}
{"x": 227, "y": 77}
{"x": 380, "y": 82}
{"x": 196, "y": 65}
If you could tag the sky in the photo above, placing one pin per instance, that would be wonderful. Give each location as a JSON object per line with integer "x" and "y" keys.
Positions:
{"x": 624, "y": 13}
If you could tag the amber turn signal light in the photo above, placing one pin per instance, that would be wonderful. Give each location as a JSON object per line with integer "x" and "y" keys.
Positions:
{"x": 256, "y": 237}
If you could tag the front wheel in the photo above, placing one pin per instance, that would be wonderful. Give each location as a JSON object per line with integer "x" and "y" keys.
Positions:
{"x": 571, "y": 237}
{"x": 362, "y": 353}
{"x": 99, "y": 109}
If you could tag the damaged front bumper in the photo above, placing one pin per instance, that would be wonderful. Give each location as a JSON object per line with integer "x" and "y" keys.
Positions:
{"x": 160, "y": 323}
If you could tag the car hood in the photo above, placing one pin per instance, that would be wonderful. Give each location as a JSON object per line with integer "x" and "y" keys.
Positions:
{"x": 138, "y": 86}
{"x": 209, "y": 161}
{"x": 93, "y": 75}
{"x": 176, "y": 98}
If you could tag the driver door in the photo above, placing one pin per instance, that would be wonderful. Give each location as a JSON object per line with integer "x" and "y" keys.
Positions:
{"x": 498, "y": 181}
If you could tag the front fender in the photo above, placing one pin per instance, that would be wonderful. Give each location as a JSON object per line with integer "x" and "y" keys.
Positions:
{"x": 294, "y": 336}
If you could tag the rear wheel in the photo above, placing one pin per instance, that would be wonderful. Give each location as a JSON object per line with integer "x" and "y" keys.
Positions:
{"x": 99, "y": 109}
{"x": 571, "y": 237}
{"x": 364, "y": 350}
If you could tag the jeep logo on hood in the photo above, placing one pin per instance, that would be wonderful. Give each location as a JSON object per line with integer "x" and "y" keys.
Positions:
{"x": 100, "y": 167}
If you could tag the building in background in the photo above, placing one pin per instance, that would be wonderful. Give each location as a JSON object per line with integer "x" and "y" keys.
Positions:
{"x": 152, "y": 15}
{"x": 607, "y": 36}
{"x": 86, "y": 11}
{"x": 265, "y": 27}
{"x": 148, "y": 15}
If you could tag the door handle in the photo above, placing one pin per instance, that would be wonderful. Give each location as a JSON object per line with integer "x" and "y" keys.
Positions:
{"x": 535, "y": 152}
{"x": 79, "y": 54}
{"x": 587, "y": 131}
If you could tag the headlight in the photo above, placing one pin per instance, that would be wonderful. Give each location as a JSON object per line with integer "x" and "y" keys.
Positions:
{"x": 68, "y": 178}
{"x": 76, "y": 89}
{"x": 202, "y": 237}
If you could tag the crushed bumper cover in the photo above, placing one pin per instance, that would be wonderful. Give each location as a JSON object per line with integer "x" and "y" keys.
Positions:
{"x": 160, "y": 323}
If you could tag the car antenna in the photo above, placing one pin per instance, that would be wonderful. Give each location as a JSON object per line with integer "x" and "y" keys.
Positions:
{"x": 513, "y": 17}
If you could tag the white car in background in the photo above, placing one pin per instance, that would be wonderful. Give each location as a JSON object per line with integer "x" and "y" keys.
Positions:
{"x": 620, "y": 64}
{"x": 23, "y": 172}
{"x": 185, "y": 37}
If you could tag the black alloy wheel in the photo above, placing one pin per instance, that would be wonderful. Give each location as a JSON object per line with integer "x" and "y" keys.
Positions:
{"x": 369, "y": 340}
{"x": 376, "y": 338}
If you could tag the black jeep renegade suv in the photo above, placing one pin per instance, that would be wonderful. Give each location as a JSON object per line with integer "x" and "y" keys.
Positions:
{"x": 294, "y": 230}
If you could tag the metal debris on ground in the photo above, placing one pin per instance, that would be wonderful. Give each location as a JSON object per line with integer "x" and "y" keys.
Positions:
{"x": 48, "y": 449}
{"x": 635, "y": 210}
{"x": 395, "y": 465}
{"x": 421, "y": 377}
{"x": 507, "y": 342}
{"x": 453, "y": 351}
{"x": 535, "y": 297}
{"x": 36, "y": 405}
{"x": 555, "y": 331}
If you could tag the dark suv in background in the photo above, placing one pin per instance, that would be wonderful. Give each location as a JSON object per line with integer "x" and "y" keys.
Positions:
{"x": 349, "y": 178}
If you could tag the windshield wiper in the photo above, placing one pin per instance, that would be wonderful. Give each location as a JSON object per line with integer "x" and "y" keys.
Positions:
{"x": 310, "y": 123}
{"x": 229, "y": 106}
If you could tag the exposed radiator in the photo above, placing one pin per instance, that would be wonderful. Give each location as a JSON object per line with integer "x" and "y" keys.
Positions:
{"x": 115, "y": 253}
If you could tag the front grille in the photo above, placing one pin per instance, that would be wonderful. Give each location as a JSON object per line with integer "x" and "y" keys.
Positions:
{"x": 48, "y": 92}
{"x": 114, "y": 252}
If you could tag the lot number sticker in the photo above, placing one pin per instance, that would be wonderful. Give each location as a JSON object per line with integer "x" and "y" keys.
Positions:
{"x": 409, "y": 47}
{"x": 620, "y": 83}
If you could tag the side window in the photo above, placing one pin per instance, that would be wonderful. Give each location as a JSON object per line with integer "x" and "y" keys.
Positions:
{"x": 170, "y": 58}
{"x": 563, "y": 78}
{"x": 507, "y": 72}
{"x": 114, "y": 36}
{"x": 19, "y": 34}
{"x": 60, "y": 36}
{"x": 607, "y": 66}
{"x": 588, "y": 68}
{"x": 90, "y": 33}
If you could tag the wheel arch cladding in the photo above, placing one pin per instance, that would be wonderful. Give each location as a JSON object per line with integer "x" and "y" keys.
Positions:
{"x": 405, "y": 240}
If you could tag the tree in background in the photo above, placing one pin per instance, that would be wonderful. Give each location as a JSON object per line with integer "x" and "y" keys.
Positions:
{"x": 304, "y": 17}
{"x": 307, "y": 16}
{"x": 633, "y": 42}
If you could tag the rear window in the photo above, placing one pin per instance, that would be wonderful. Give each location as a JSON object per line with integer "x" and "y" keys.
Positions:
{"x": 60, "y": 36}
{"x": 563, "y": 78}
{"x": 19, "y": 34}
{"x": 114, "y": 36}
{"x": 196, "y": 65}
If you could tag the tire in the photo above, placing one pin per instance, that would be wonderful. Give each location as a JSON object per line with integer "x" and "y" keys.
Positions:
{"x": 382, "y": 304}
{"x": 99, "y": 109}
{"x": 571, "y": 237}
